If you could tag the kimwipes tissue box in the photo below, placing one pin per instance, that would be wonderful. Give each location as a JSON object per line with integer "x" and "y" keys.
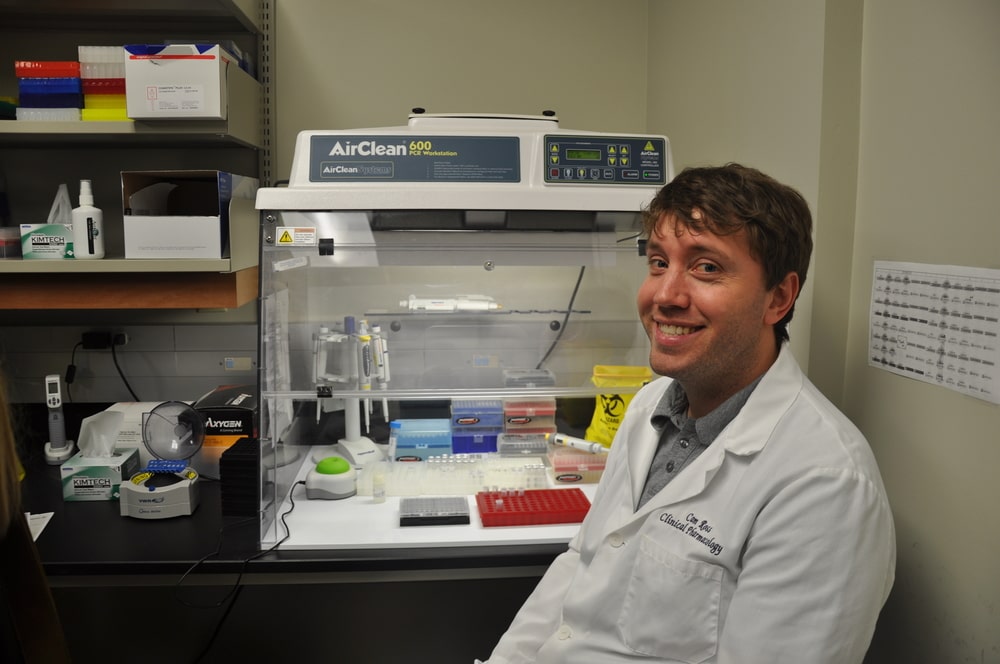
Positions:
{"x": 171, "y": 81}
{"x": 46, "y": 241}
{"x": 97, "y": 478}
{"x": 180, "y": 214}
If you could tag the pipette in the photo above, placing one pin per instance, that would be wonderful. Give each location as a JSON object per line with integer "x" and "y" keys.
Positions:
{"x": 579, "y": 444}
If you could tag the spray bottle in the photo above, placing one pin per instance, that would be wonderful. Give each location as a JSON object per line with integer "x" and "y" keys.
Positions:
{"x": 88, "y": 226}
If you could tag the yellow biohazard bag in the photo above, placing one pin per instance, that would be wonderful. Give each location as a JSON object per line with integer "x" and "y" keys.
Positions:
{"x": 610, "y": 407}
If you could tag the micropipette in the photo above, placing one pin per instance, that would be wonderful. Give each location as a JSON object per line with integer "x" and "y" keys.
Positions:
{"x": 579, "y": 444}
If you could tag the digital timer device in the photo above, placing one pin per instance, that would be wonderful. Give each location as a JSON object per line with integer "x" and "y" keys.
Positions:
{"x": 57, "y": 449}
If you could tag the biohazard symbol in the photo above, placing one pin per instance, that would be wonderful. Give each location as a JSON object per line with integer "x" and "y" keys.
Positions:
{"x": 613, "y": 405}
{"x": 286, "y": 238}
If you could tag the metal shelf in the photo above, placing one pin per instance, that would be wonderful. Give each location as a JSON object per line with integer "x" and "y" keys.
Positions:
{"x": 206, "y": 15}
{"x": 241, "y": 129}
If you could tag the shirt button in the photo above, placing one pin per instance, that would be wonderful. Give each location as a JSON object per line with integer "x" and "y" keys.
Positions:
{"x": 684, "y": 444}
{"x": 616, "y": 540}
{"x": 564, "y": 632}
{"x": 670, "y": 466}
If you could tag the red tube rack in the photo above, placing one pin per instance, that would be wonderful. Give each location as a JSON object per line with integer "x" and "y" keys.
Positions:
{"x": 46, "y": 69}
{"x": 532, "y": 507}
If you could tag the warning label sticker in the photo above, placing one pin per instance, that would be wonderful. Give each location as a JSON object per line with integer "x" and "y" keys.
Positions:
{"x": 293, "y": 236}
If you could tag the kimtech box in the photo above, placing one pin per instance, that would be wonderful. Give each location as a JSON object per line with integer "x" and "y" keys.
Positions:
{"x": 46, "y": 241}
{"x": 97, "y": 478}
{"x": 173, "y": 81}
{"x": 180, "y": 214}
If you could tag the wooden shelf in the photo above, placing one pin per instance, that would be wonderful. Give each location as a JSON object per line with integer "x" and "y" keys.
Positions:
{"x": 118, "y": 265}
{"x": 133, "y": 290}
{"x": 120, "y": 283}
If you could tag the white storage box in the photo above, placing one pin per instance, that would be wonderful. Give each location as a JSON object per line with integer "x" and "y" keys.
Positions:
{"x": 171, "y": 81}
{"x": 180, "y": 214}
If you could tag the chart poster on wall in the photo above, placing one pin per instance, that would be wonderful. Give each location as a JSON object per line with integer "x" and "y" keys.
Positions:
{"x": 939, "y": 324}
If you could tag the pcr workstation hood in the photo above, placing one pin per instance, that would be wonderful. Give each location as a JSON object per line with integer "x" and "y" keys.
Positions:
{"x": 487, "y": 172}
{"x": 494, "y": 256}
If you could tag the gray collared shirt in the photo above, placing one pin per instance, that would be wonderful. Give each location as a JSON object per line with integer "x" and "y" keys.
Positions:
{"x": 682, "y": 439}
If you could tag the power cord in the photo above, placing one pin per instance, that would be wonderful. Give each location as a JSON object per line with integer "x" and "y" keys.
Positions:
{"x": 562, "y": 328}
{"x": 114, "y": 357}
{"x": 234, "y": 592}
{"x": 71, "y": 370}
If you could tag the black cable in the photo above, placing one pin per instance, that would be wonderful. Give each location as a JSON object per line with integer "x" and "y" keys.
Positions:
{"x": 114, "y": 356}
{"x": 71, "y": 372}
{"x": 569, "y": 310}
{"x": 233, "y": 594}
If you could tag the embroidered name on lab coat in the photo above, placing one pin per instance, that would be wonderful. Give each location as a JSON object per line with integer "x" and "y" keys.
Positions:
{"x": 694, "y": 527}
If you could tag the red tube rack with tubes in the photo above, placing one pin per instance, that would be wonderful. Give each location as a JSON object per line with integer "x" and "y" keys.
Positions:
{"x": 532, "y": 507}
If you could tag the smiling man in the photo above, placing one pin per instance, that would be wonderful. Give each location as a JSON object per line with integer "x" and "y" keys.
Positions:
{"x": 741, "y": 518}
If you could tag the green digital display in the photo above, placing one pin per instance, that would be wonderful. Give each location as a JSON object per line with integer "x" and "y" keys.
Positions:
{"x": 586, "y": 155}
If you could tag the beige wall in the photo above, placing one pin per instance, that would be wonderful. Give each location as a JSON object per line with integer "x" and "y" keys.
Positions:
{"x": 343, "y": 64}
{"x": 927, "y": 192}
{"x": 883, "y": 113}
{"x": 732, "y": 81}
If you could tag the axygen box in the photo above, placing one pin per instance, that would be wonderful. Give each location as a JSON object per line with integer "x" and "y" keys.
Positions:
{"x": 97, "y": 478}
{"x": 230, "y": 413}
{"x": 180, "y": 214}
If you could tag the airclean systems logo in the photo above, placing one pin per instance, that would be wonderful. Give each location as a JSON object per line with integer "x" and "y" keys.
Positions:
{"x": 368, "y": 148}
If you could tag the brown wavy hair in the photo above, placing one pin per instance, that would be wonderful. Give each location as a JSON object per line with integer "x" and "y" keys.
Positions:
{"x": 10, "y": 486}
{"x": 734, "y": 198}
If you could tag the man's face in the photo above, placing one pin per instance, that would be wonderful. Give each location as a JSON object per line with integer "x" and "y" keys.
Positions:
{"x": 707, "y": 312}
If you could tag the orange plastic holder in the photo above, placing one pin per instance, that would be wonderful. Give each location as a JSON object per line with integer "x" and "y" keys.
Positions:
{"x": 532, "y": 507}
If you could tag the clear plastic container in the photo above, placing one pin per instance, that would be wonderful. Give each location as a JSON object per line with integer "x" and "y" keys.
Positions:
{"x": 10, "y": 243}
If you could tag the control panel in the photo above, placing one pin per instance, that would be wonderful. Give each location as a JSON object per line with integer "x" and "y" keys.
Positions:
{"x": 605, "y": 160}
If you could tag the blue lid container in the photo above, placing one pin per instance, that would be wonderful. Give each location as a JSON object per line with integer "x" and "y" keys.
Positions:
{"x": 50, "y": 86}
{"x": 479, "y": 413}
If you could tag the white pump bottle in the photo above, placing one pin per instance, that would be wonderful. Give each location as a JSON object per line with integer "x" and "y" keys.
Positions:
{"x": 88, "y": 226}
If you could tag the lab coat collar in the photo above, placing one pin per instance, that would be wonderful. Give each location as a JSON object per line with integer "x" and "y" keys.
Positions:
{"x": 745, "y": 435}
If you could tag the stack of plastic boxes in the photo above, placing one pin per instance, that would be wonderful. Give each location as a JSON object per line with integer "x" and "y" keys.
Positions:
{"x": 571, "y": 466}
{"x": 475, "y": 425}
{"x": 102, "y": 73}
{"x": 418, "y": 440}
{"x": 48, "y": 90}
{"x": 523, "y": 416}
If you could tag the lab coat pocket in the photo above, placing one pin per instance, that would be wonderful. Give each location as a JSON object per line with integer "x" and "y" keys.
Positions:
{"x": 671, "y": 606}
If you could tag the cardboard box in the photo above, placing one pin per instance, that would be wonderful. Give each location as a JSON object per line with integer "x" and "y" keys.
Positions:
{"x": 46, "y": 241}
{"x": 171, "y": 81}
{"x": 180, "y": 214}
{"x": 230, "y": 413}
{"x": 97, "y": 478}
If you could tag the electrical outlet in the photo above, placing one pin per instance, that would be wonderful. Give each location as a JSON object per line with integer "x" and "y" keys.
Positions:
{"x": 121, "y": 339}
{"x": 99, "y": 340}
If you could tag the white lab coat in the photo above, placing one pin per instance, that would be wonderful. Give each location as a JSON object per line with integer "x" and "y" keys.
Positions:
{"x": 775, "y": 545}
